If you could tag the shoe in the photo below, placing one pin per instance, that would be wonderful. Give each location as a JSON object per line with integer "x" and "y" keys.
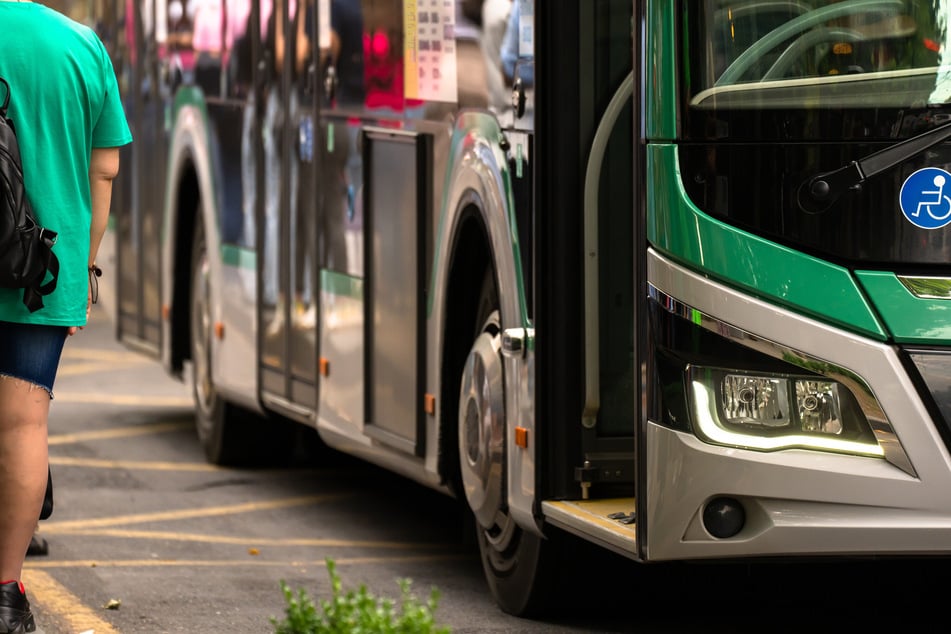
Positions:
{"x": 15, "y": 615}
{"x": 38, "y": 546}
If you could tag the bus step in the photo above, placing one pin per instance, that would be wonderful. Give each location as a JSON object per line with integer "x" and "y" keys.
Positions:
{"x": 608, "y": 522}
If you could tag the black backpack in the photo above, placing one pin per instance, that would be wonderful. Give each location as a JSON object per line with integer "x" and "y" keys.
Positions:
{"x": 25, "y": 247}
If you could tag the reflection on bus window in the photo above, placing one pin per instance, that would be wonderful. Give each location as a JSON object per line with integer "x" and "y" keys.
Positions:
{"x": 346, "y": 51}
{"x": 829, "y": 45}
{"x": 383, "y": 54}
{"x": 236, "y": 55}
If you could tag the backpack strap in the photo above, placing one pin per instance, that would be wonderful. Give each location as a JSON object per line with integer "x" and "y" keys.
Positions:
{"x": 33, "y": 294}
{"x": 6, "y": 97}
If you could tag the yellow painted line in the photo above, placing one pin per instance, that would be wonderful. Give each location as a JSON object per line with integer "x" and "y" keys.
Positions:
{"x": 118, "y": 432}
{"x": 97, "y": 354}
{"x": 122, "y": 399}
{"x": 232, "y": 563}
{"x": 164, "y": 516}
{"x": 63, "y": 606}
{"x": 72, "y": 369}
{"x": 133, "y": 465}
{"x": 251, "y": 541}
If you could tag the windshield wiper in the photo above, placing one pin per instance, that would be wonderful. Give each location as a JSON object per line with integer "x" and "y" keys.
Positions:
{"x": 822, "y": 190}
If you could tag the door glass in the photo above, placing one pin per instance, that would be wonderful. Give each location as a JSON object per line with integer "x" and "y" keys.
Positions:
{"x": 611, "y": 65}
{"x": 272, "y": 298}
{"x": 302, "y": 246}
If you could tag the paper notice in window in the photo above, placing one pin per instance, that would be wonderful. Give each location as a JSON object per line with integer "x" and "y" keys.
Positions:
{"x": 430, "y": 50}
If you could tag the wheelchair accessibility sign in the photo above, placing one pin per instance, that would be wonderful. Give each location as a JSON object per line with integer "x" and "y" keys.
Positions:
{"x": 926, "y": 198}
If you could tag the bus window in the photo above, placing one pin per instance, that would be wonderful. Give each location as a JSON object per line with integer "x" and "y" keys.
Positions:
{"x": 237, "y": 49}
{"x": 206, "y": 18}
{"x": 383, "y": 54}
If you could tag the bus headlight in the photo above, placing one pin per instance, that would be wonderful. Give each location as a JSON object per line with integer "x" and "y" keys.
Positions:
{"x": 768, "y": 412}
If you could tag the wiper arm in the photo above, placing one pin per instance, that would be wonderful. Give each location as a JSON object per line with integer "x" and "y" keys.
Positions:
{"x": 822, "y": 190}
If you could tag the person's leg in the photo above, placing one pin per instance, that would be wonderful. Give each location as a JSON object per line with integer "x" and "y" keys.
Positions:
{"x": 24, "y": 409}
{"x": 29, "y": 357}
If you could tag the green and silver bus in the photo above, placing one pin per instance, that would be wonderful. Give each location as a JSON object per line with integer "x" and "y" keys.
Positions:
{"x": 670, "y": 275}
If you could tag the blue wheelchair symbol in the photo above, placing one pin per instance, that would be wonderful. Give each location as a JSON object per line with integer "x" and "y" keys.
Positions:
{"x": 924, "y": 198}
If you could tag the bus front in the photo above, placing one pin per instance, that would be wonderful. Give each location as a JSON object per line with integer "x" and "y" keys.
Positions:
{"x": 798, "y": 222}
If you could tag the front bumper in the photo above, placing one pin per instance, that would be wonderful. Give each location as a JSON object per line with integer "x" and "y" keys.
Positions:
{"x": 798, "y": 501}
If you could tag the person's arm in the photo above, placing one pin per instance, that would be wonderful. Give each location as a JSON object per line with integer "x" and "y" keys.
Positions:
{"x": 103, "y": 169}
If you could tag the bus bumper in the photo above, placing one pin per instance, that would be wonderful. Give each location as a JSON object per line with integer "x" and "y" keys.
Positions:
{"x": 793, "y": 501}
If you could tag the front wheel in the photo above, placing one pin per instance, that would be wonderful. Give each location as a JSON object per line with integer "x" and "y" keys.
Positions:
{"x": 512, "y": 558}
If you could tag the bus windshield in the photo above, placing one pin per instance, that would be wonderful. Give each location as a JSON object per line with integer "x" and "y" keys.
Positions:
{"x": 758, "y": 54}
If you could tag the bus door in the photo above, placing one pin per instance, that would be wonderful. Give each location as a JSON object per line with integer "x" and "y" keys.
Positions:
{"x": 139, "y": 221}
{"x": 287, "y": 204}
{"x": 608, "y": 435}
{"x": 594, "y": 427}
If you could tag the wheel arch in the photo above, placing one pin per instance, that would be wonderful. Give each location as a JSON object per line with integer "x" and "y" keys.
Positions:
{"x": 470, "y": 257}
{"x": 186, "y": 203}
{"x": 478, "y": 231}
{"x": 190, "y": 187}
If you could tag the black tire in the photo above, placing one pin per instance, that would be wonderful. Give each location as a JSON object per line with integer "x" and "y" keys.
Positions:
{"x": 515, "y": 561}
{"x": 230, "y": 435}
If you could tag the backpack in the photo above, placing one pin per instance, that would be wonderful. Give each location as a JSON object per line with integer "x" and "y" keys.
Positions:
{"x": 26, "y": 254}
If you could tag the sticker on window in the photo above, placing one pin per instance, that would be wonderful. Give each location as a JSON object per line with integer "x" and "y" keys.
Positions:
{"x": 925, "y": 198}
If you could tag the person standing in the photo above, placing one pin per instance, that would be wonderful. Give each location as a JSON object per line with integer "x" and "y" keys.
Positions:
{"x": 70, "y": 124}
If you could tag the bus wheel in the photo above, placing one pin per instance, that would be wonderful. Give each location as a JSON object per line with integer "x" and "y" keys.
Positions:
{"x": 223, "y": 429}
{"x": 511, "y": 557}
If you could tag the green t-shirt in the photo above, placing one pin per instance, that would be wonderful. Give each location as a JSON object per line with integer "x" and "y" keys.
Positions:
{"x": 64, "y": 102}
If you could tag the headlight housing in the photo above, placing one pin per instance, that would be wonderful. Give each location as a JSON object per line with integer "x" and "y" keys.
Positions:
{"x": 771, "y": 411}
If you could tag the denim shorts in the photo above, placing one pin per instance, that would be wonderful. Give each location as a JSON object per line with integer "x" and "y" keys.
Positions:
{"x": 31, "y": 352}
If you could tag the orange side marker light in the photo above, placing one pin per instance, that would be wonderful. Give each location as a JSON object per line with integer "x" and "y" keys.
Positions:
{"x": 521, "y": 437}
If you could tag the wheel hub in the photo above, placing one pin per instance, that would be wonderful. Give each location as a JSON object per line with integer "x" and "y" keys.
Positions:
{"x": 482, "y": 429}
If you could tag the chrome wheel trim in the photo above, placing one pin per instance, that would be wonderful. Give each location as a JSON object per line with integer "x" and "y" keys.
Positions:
{"x": 482, "y": 429}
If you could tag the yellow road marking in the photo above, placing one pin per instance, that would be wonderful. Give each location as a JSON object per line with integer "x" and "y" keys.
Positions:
{"x": 250, "y": 541}
{"x": 163, "y": 516}
{"x": 63, "y": 605}
{"x": 98, "y": 354}
{"x": 231, "y": 563}
{"x": 65, "y": 461}
{"x": 123, "y": 399}
{"x": 117, "y": 432}
{"x": 72, "y": 369}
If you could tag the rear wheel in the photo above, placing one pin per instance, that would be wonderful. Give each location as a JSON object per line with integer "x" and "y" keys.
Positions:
{"x": 513, "y": 559}
{"x": 229, "y": 435}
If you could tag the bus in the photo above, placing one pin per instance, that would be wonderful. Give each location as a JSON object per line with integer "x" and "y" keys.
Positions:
{"x": 668, "y": 275}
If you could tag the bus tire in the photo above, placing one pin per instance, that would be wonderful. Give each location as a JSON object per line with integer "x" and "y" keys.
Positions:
{"x": 513, "y": 559}
{"x": 226, "y": 432}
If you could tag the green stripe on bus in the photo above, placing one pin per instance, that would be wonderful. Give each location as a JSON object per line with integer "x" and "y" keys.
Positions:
{"x": 341, "y": 285}
{"x": 768, "y": 270}
{"x": 910, "y": 319}
{"x": 240, "y": 257}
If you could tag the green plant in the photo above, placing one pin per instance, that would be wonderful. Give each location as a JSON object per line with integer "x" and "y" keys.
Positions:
{"x": 357, "y": 611}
